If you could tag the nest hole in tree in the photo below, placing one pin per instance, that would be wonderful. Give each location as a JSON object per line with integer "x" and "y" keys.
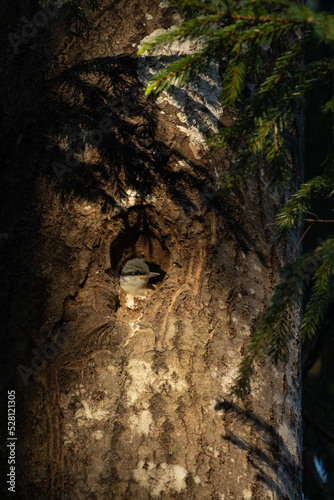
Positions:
{"x": 143, "y": 244}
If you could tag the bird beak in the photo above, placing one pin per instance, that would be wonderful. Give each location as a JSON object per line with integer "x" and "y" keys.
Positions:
{"x": 149, "y": 275}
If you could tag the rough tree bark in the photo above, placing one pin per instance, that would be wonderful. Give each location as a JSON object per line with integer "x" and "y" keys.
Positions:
{"x": 121, "y": 398}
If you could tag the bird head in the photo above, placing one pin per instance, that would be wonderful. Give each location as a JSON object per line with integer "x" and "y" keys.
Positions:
{"x": 135, "y": 276}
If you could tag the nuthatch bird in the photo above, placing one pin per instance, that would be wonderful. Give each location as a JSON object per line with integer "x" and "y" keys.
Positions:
{"x": 135, "y": 277}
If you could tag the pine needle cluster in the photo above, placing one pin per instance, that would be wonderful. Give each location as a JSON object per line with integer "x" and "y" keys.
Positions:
{"x": 243, "y": 32}
{"x": 313, "y": 271}
{"x": 81, "y": 16}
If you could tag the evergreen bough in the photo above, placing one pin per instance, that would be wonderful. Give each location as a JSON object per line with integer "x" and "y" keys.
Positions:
{"x": 81, "y": 16}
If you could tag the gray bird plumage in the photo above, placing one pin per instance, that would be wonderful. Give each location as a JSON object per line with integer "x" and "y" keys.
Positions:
{"x": 135, "y": 277}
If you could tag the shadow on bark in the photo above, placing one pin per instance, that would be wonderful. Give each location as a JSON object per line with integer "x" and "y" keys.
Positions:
{"x": 269, "y": 455}
{"x": 117, "y": 149}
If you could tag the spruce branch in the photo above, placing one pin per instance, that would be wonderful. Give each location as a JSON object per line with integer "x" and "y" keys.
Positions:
{"x": 322, "y": 286}
{"x": 177, "y": 74}
{"x": 81, "y": 16}
{"x": 299, "y": 204}
{"x": 272, "y": 336}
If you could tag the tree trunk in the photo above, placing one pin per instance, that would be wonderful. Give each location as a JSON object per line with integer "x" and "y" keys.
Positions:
{"x": 120, "y": 397}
